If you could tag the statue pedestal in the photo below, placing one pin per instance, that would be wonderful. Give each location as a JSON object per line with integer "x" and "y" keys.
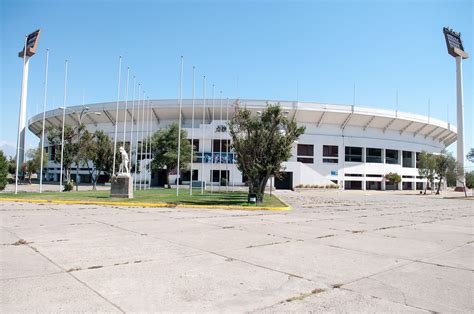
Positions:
{"x": 122, "y": 186}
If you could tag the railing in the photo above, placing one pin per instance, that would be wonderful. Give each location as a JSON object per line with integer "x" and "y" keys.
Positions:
{"x": 218, "y": 158}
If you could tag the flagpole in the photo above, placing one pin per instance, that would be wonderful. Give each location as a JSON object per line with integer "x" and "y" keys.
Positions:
{"x": 62, "y": 135}
{"x": 179, "y": 126}
{"x": 192, "y": 137}
{"x": 212, "y": 143}
{"x": 44, "y": 116}
{"x": 141, "y": 137}
{"x": 220, "y": 147}
{"x": 203, "y": 131}
{"x": 150, "y": 133}
{"x": 136, "y": 146}
{"x": 147, "y": 147}
{"x": 227, "y": 148}
{"x": 126, "y": 108}
{"x": 131, "y": 127}
{"x": 116, "y": 114}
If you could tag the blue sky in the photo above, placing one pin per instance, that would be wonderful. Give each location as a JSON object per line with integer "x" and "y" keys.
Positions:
{"x": 248, "y": 49}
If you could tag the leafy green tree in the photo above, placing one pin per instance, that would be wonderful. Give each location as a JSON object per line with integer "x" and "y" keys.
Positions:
{"x": 470, "y": 155}
{"x": 393, "y": 177}
{"x": 33, "y": 164}
{"x": 99, "y": 151}
{"x": 70, "y": 149}
{"x": 164, "y": 148}
{"x": 427, "y": 168}
{"x": 11, "y": 166}
{"x": 470, "y": 180}
{"x": 262, "y": 143}
{"x": 444, "y": 165}
{"x": 3, "y": 171}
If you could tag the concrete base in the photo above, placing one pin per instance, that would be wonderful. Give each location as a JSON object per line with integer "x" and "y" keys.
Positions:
{"x": 122, "y": 186}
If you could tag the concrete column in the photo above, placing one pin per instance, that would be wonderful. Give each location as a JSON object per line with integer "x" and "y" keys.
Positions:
{"x": 460, "y": 119}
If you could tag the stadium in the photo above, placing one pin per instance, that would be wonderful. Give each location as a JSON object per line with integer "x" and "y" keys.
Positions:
{"x": 352, "y": 146}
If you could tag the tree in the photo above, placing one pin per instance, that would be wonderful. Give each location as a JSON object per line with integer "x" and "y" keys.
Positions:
{"x": 11, "y": 166}
{"x": 262, "y": 143}
{"x": 470, "y": 179}
{"x": 444, "y": 164}
{"x": 3, "y": 171}
{"x": 70, "y": 149}
{"x": 426, "y": 168}
{"x": 393, "y": 177}
{"x": 33, "y": 164}
{"x": 470, "y": 155}
{"x": 164, "y": 148}
{"x": 99, "y": 151}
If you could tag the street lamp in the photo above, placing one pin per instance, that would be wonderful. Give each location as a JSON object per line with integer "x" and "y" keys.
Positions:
{"x": 29, "y": 49}
{"x": 456, "y": 50}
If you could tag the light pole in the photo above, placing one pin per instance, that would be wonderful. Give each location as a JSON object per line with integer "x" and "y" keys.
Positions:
{"x": 456, "y": 50}
{"x": 29, "y": 49}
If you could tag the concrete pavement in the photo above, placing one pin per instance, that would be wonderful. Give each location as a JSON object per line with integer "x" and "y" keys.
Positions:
{"x": 335, "y": 251}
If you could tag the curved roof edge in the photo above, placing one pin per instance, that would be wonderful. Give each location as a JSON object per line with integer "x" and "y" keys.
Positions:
{"x": 305, "y": 112}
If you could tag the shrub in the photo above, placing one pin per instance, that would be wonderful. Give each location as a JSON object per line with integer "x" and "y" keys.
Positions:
{"x": 3, "y": 171}
{"x": 69, "y": 186}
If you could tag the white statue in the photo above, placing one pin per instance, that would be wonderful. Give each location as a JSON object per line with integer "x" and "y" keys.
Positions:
{"x": 125, "y": 161}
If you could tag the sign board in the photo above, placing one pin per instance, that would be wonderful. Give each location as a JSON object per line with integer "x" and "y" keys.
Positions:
{"x": 454, "y": 43}
{"x": 31, "y": 44}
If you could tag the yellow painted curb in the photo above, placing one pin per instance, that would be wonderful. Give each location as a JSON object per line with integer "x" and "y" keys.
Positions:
{"x": 141, "y": 204}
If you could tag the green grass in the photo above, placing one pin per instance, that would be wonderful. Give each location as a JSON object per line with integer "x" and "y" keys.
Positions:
{"x": 153, "y": 196}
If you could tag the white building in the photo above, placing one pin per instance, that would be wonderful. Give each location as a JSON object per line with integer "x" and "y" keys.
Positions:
{"x": 348, "y": 145}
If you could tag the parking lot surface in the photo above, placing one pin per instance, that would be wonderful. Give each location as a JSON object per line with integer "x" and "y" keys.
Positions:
{"x": 334, "y": 251}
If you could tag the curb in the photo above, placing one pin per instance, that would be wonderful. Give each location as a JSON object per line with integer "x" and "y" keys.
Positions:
{"x": 140, "y": 204}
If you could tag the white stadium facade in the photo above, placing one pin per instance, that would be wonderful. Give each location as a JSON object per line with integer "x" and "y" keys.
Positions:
{"x": 354, "y": 147}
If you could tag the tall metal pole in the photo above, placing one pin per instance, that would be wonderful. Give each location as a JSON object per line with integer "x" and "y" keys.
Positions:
{"x": 212, "y": 143}
{"x": 220, "y": 147}
{"x": 460, "y": 121}
{"x": 126, "y": 108}
{"x": 192, "y": 136}
{"x": 20, "y": 142}
{"x": 136, "y": 145}
{"x": 62, "y": 135}
{"x": 147, "y": 146}
{"x": 179, "y": 125}
{"x": 227, "y": 146}
{"x": 131, "y": 125}
{"x": 150, "y": 134}
{"x": 116, "y": 114}
{"x": 203, "y": 131}
{"x": 44, "y": 116}
{"x": 142, "y": 138}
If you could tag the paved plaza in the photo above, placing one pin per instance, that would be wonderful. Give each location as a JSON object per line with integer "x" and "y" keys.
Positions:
{"x": 334, "y": 251}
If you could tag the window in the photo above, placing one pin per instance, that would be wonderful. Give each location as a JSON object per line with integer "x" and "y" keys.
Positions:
{"x": 407, "y": 159}
{"x": 223, "y": 173}
{"x": 330, "y": 154}
{"x": 374, "y": 175}
{"x": 373, "y": 155}
{"x": 303, "y": 151}
{"x": 391, "y": 156}
{"x": 220, "y": 144}
{"x": 353, "y": 175}
{"x": 417, "y": 159}
{"x": 195, "y": 144}
{"x": 354, "y": 154}
{"x": 305, "y": 160}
